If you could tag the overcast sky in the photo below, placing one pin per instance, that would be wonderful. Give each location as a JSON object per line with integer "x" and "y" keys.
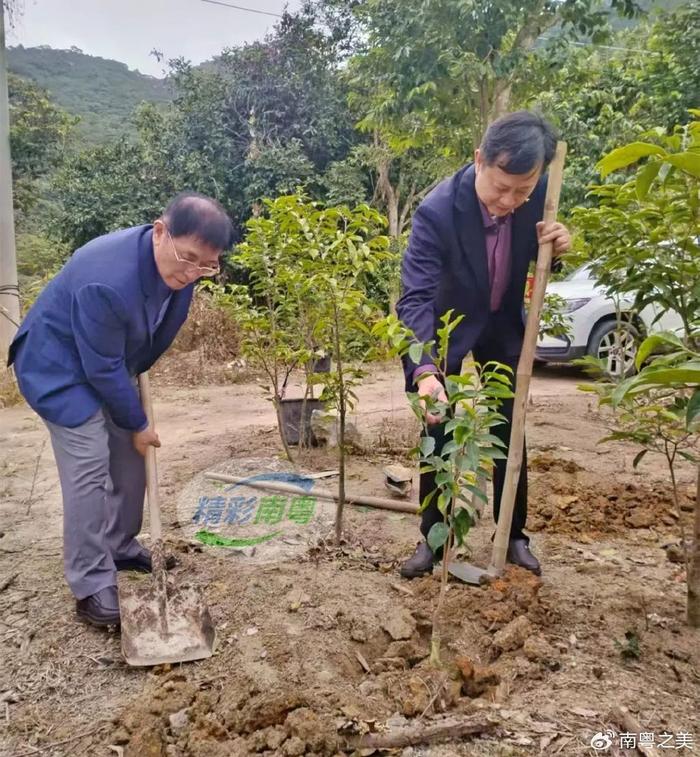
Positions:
{"x": 127, "y": 30}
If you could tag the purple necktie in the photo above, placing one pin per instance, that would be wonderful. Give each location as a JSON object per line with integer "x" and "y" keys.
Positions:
{"x": 497, "y": 234}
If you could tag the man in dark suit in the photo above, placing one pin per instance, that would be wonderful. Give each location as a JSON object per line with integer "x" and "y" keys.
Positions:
{"x": 472, "y": 240}
{"x": 108, "y": 315}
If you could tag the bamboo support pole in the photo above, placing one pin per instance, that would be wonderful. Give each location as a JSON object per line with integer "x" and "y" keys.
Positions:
{"x": 524, "y": 371}
{"x": 276, "y": 486}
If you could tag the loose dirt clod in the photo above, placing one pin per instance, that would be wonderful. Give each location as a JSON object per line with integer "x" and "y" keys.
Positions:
{"x": 568, "y": 500}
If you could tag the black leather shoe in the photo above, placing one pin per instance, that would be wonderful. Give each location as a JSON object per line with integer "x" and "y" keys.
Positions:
{"x": 142, "y": 563}
{"x": 100, "y": 609}
{"x": 519, "y": 554}
{"x": 420, "y": 563}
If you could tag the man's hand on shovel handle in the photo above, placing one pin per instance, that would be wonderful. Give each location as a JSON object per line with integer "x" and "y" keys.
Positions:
{"x": 145, "y": 439}
{"x": 557, "y": 234}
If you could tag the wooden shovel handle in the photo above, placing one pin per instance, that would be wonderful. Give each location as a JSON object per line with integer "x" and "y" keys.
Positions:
{"x": 524, "y": 372}
{"x": 151, "y": 467}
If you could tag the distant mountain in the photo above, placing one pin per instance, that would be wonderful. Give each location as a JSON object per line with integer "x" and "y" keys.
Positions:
{"x": 102, "y": 92}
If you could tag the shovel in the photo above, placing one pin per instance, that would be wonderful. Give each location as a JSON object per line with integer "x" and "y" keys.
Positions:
{"x": 471, "y": 573}
{"x": 161, "y": 622}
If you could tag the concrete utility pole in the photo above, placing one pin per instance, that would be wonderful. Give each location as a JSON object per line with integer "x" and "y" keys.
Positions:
{"x": 9, "y": 291}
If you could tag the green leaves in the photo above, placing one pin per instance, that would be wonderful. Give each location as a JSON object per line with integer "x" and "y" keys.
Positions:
{"x": 654, "y": 343}
{"x": 437, "y": 536}
{"x": 626, "y": 156}
{"x": 468, "y": 449}
{"x": 689, "y": 162}
{"x": 462, "y": 522}
{"x": 642, "y": 238}
{"x": 645, "y": 178}
{"x": 415, "y": 352}
{"x": 693, "y": 410}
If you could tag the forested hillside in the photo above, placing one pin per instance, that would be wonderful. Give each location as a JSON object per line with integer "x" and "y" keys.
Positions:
{"x": 104, "y": 93}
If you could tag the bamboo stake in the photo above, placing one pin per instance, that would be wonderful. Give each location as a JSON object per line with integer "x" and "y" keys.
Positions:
{"x": 524, "y": 371}
{"x": 277, "y": 486}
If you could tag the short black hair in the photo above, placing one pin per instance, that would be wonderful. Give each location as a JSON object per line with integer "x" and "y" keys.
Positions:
{"x": 194, "y": 214}
{"x": 519, "y": 142}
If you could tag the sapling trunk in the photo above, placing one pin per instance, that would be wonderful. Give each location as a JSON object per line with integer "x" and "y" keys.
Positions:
{"x": 277, "y": 401}
{"x": 694, "y": 564}
{"x": 436, "y": 634}
{"x": 670, "y": 459}
{"x": 341, "y": 427}
{"x": 302, "y": 420}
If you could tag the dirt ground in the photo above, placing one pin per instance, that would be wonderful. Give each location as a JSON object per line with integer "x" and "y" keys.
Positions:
{"x": 318, "y": 649}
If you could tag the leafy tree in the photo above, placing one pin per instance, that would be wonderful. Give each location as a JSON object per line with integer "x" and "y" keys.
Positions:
{"x": 267, "y": 310}
{"x": 103, "y": 93}
{"x": 39, "y": 132}
{"x": 261, "y": 120}
{"x": 38, "y": 257}
{"x": 651, "y": 247}
{"x": 431, "y": 76}
{"x": 643, "y": 238}
{"x": 287, "y": 87}
{"x": 668, "y": 72}
{"x": 344, "y": 247}
{"x": 190, "y": 145}
{"x": 345, "y": 182}
{"x": 601, "y": 98}
{"x": 305, "y": 264}
{"x": 108, "y": 188}
{"x": 276, "y": 169}
{"x": 441, "y": 71}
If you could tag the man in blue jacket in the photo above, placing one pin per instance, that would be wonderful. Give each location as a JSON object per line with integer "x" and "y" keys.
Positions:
{"x": 472, "y": 240}
{"x": 109, "y": 314}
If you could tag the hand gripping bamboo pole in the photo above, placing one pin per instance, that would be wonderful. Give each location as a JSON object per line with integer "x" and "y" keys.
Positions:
{"x": 524, "y": 371}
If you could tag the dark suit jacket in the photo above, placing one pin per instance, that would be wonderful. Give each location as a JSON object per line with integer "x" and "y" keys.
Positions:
{"x": 91, "y": 330}
{"x": 445, "y": 268}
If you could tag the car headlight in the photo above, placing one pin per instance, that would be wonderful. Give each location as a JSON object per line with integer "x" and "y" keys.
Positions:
{"x": 572, "y": 305}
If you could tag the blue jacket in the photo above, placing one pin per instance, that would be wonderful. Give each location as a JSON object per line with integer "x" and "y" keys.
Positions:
{"x": 445, "y": 268}
{"x": 92, "y": 329}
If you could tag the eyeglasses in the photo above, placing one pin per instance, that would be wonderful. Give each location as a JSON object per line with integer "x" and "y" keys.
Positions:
{"x": 201, "y": 270}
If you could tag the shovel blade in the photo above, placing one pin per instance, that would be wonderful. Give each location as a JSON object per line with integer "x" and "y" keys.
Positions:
{"x": 470, "y": 574}
{"x": 155, "y": 632}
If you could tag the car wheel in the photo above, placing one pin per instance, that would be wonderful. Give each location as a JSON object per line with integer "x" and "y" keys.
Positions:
{"x": 616, "y": 347}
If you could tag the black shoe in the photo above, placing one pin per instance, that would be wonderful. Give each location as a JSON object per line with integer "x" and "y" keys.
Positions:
{"x": 142, "y": 563}
{"x": 420, "y": 563}
{"x": 519, "y": 554}
{"x": 100, "y": 609}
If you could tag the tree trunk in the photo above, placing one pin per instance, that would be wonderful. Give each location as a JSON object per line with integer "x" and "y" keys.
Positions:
{"x": 694, "y": 565}
{"x": 280, "y": 425}
{"x": 391, "y": 197}
{"x": 484, "y": 111}
{"x": 501, "y": 100}
{"x": 340, "y": 506}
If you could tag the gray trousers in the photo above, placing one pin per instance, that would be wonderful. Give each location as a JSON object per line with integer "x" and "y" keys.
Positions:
{"x": 103, "y": 480}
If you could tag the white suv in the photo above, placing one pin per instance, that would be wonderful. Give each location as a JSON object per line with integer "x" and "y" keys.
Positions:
{"x": 594, "y": 325}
